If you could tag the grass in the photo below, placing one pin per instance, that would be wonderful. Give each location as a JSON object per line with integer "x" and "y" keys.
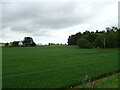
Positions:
{"x": 55, "y": 66}
{"x": 1, "y": 44}
{"x": 108, "y": 82}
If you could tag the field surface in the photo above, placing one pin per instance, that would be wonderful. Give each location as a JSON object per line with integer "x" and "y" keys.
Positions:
{"x": 55, "y": 66}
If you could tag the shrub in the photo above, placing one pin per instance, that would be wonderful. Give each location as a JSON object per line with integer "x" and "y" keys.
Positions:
{"x": 83, "y": 43}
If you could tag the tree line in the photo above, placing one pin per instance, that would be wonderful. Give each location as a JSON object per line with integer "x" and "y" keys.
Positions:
{"x": 28, "y": 41}
{"x": 56, "y": 44}
{"x": 99, "y": 39}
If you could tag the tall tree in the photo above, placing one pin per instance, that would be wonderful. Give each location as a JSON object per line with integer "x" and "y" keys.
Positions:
{"x": 28, "y": 41}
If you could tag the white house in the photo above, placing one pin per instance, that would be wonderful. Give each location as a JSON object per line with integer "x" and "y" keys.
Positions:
{"x": 20, "y": 43}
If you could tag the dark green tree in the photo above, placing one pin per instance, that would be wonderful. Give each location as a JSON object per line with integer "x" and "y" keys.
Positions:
{"x": 28, "y": 41}
{"x": 83, "y": 43}
{"x": 6, "y": 44}
{"x": 100, "y": 41}
{"x": 108, "y": 38}
{"x": 72, "y": 40}
{"x": 111, "y": 39}
{"x": 15, "y": 43}
{"x": 118, "y": 38}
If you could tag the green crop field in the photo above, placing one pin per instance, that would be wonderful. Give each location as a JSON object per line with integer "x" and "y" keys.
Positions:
{"x": 55, "y": 66}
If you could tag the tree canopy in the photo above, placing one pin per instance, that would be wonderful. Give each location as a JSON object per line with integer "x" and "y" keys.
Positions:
{"x": 101, "y": 39}
{"x": 28, "y": 41}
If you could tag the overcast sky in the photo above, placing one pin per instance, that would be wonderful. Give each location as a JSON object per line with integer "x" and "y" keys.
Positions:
{"x": 53, "y": 21}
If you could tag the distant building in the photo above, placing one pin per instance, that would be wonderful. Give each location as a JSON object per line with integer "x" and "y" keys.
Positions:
{"x": 20, "y": 43}
{"x": 28, "y": 41}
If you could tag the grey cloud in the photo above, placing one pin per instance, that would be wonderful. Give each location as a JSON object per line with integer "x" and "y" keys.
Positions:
{"x": 43, "y": 14}
{"x": 30, "y": 17}
{"x": 41, "y": 17}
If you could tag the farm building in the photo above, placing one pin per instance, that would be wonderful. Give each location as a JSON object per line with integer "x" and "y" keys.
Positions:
{"x": 28, "y": 41}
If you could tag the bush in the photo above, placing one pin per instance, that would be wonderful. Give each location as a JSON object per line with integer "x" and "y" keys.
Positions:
{"x": 6, "y": 44}
{"x": 33, "y": 44}
{"x": 83, "y": 43}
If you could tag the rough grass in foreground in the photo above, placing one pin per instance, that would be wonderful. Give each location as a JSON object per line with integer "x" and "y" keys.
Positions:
{"x": 107, "y": 82}
{"x": 55, "y": 66}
